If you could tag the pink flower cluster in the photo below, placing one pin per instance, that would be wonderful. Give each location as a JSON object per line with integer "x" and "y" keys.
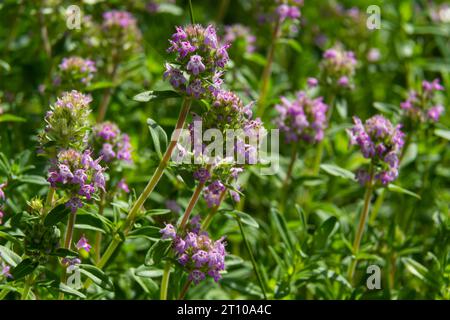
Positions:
{"x": 420, "y": 106}
{"x": 381, "y": 142}
{"x": 196, "y": 252}
{"x": 302, "y": 118}
{"x": 111, "y": 143}
{"x": 77, "y": 69}
{"x": 200, "y": 60}
{"x": 338, "y": 67}
{"x": 240, "y": 37}
{"x": 289, "y": 9}
{"x": 78, "y": 174}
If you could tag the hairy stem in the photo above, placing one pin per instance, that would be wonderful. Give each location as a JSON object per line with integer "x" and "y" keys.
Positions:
{"x": 67, "y": 245}
{"x": 191, "y": 205}
{"x": 165, "y": 281}
{"x": 107, "y": 95}
{"x": 184, "y": 290}
{"x": 361, "y": 225}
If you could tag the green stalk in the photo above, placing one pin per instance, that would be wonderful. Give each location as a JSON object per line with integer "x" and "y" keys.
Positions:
{"x": 362, "y": 223}
{"x": 255, "y": 267}
{"x": 185, "y": 290}
{"x": 268, "y": 70}
{"x": 67, "y": 245}
{"x": 191, "y": 12}
{"x": 191, "y": 205}
{"x": 148, "y": 189}
{"x": 165, "y": 281}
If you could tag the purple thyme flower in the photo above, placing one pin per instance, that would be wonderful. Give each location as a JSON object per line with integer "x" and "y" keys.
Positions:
{"x": 74, "y": 204}
{"x": 1, "y": 216}
{"x": 196, "y": 276}
{"x": 312, "y": 82}
{"x": 5, "y": 272}
{"x": 213, "y": 192}
{"x": 2, "y": 192}
{"x": 168, "y": 232}
{"x": 338, "y": 67}
{"x": 111, "y": 143}
{"x": 122, "y": 185}
{"x": 198, "y": 53}
{"x": 420, "y": 107}
{"x": 202, "y": 175}
{"x": 302, "y": 119}
{"x": 77, "y": 69}
{"x": 83, "y": 244}
{"x": 381, "y": 142}
{"x": 195, "y": 65}
{"x": 196, "y": 252}
{"x": 240, "y": 37}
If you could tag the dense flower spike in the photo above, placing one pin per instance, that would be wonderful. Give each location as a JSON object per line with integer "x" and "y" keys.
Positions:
{"x": 241, "y": 40}
{"x": 120, "y": 30}
{"x": 289, "y": 9}
{"x": 67, "y": 123}
{"x": 302, "y": 118}
{"x": 76, "y": 69}
{"x": 78, "y": 174}
{"x": 239, "y": 133}
{"x": 200, "y": 60}
{"x": 381, "y": 142}
{"x": 420, "y": 107}
{"x": 110, "y": 143}
{"x": 338, "y": 68}
{"x": 196, "y": 252}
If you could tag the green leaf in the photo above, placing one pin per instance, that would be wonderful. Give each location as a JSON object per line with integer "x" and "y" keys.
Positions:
{"x": 395, "y": 188}
{"x": 256, "y": 58}
{"x": 187, "y": 177}
{"x": 156, "y": 212}
{"x": 324, "y": 232}
{"x": 280, "y": 224}
{"x": 66, "y": 289}
{"x": 11, "y": 118}
{"x": 386, "y": 108}
{"x": 155, "y": 95}
{"x": 442, "y": 133}
{"x": 57, "y": 214}
{"x": 148, "y": 272}
{"x": 157, "y": 251}
{"x": 292, "y": 43}
{"x": 63, "y": 252}
{"x": 97, "y": 276}
{"x": 245, "y": 217}
{"x": 147, "y": 284}
{"x": 337, "y": 171}
{"x": 33, "y": 179}
{"x": 100, "y": 85}
{"x": 148, "y": 231}
{"x": 24, "y": 268}
{"x": 159, "y": 136}
{"x": 9, "y": 256}
{"x": 418, "y": 270}
{"x": 170, "y": 8}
